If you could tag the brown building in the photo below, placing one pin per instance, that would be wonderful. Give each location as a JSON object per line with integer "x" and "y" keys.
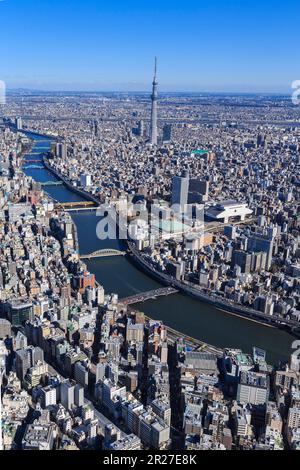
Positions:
{"x": 85, "y": 280}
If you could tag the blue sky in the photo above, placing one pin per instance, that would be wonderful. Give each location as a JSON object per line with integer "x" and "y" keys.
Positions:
{"x": 212, "y": 45}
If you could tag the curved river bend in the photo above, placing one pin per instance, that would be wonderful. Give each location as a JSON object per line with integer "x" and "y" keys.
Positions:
{"x": 183, "y": 313}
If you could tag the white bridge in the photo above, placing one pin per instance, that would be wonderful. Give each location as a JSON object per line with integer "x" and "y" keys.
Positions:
{"x": 106, "y": 252}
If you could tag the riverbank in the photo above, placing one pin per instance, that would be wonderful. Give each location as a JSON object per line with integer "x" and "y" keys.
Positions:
{"x": 183, "y": 313}
{"x": 196, "y": 344}
{"x": 222, "y": 305}
{"x": 236, "y": 310}
{"x": 173, "y": 334}
{"x": 69, "y": 185}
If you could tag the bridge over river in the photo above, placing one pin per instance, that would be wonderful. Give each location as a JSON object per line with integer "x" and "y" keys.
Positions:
{"x": 68, "y": 206}
{"x": 151, "y": 294}
{"x": 106, "y": 252}
{"x": 33, "y": 167}
{"x": 51, "y": 183}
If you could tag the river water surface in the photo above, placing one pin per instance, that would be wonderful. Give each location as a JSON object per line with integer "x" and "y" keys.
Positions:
{"x": 179, "y": 311}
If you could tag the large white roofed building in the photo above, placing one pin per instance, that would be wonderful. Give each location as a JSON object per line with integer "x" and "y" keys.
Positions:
{"x": 226, "y": 210}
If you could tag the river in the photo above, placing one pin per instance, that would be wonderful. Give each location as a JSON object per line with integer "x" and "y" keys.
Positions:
{"x": 181, "y": 312}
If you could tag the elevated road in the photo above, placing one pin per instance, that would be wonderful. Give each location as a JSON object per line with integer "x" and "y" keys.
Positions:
{"x": 152, "y": 294}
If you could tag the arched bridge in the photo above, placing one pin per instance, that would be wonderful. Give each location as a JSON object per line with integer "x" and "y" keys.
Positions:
{"x": 106, "y": 252}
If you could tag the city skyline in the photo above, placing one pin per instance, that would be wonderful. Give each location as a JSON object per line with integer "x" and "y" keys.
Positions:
{"x": 202, "y": 48}
{"x": 150, "y": 229}
{"x": 77, "y": 344}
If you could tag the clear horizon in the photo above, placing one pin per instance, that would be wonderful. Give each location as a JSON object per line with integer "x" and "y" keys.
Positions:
{"x": 144, "y": 91}
{"x": 237, "y": 46}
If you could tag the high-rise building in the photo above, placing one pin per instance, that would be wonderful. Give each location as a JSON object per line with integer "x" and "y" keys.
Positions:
{"x": 230, "y": 231}
{"x": 81, "y": 374}
{"x": 84, "y": 280}
{"x": 164, "y": 352}
{"x": 198, "y": 190}
{"x": 26, "y": 358}
{"x": 100, "y": 371}
{"x": 96, "y": 127}
{"x": 264, "y": 304}
{"x": 5, "y": 328}
{"x": 18, "y": 123}
{"x": 167, "y": 133}
{"x": 19, "y": 311}
{"x": 61, "y": 150}
{"x": 262, "y": 243}
{"x": 141, "y": 128}
{"x": 20, "y": 341}
{"x": 131, "y": 381}
{"x": 22, "y": 363}
{"x": 153, "y": 123}
{"x": 180, "y": 189}
{"x": 79, "y": 395}
{"x": 36, "y": 355}
{"x": 48, "y": 396}
{"x": 85, "y": 180}
{"x": 67, "y": 394}
{"x": 242, "y": 259}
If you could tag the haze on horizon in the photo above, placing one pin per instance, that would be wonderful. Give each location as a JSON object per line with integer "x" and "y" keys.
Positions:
{"x": 216, "y": 46}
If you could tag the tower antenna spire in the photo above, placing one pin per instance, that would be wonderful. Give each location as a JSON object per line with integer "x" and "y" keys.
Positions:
{"x": 153, "y": 122}
{"x": 155, "y": 67}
